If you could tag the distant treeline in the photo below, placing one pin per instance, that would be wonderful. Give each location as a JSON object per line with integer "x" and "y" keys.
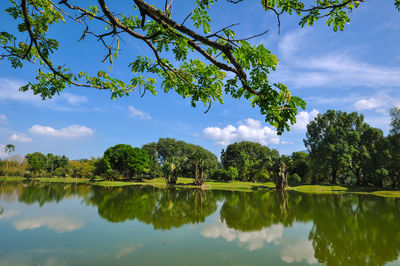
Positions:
{"x": 341, "y": 149}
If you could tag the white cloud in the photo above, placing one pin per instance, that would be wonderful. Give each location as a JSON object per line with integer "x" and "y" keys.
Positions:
{"x": 250, "y": 130}
{"x": 73, "y": 131}
{"x": 297, "y": 251}
{"x": 3, "y": 118}
{"x": 249, "y": 240}
{"x": 2, "y": 151}
{"x": 291, "y": 42}
{"x": 367, "y": 104}
{"x": 20, "y": 138}
{"x": 58, "y": 224}
{"x": 301, "y": 66}
{"x": 303, "y": 118}
{"x": 138, "y": 113}
{"x": 74, "y": 99}
{"x": 9, "y": 90}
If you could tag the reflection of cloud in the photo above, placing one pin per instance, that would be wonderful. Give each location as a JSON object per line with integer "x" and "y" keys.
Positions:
{"x": 125, "y": 250}
{"x": 55, "y": 262}
{"x": 250, "y": 240}
{"x": 58, "y": 224}
{"x": 7, "y": 214}
{"x": 298, "y": 250}
{"x": 35, "y": 257}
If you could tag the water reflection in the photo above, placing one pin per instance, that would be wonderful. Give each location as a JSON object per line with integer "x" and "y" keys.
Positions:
{"x": 249, "y": 240}
{"x": 341, "y": 229}
{"x": 164, "y": 209}
{"x": 60, "y": 224}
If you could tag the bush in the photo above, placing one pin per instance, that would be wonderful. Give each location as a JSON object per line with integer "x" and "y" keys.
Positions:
{"x": 220, "y": 174}
{"x": 296, "y": 179}
{"x": 13, "y": 166}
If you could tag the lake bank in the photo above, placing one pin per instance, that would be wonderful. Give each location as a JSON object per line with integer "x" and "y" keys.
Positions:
{"x": 219, "y": 185}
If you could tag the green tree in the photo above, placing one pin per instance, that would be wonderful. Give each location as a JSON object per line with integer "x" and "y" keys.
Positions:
{"x": 395, "y": 121}
{"x": 56, "y": 162}
{"x": 9, "y": 148}
{"x": 393, "y": 160}
{"x": 364, "y": 159}
{"x": 334, "y": 143}
{"x": 197, "y": 69}
{"x": 249, "y": 158}
{"x": 83, "y": 168}
{"x": 37, "y": 162}
{"x": 155, "y": 169}
{"x": 128, "y": 161}
{"x": 302, "y": 166}
{"x": 179, "y": 158}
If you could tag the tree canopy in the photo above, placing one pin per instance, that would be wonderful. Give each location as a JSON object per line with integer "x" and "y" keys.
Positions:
{"x": 128, "y": 161}
{"x": 188, "y": 57}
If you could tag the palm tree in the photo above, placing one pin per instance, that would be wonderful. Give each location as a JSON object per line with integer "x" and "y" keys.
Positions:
{"x": 9, "y": 148}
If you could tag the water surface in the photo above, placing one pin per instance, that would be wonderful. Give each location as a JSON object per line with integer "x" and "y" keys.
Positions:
{"x": 75, "y": 224}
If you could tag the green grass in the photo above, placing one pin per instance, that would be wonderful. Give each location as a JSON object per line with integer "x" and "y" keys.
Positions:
{"x": 219, "y": 185}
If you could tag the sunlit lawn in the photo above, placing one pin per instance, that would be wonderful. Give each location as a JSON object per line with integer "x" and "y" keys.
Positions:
{"x": 220, "y": 185}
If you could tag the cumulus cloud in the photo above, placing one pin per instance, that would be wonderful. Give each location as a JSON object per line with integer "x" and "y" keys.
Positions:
{"x": 303, "y": 118}
{"x": 249, "y": 240}
{"x": 297, "y": 251}
{"x": 57, "y": 224}
{"x": 3, "y": 118}
{"x": 138, "y": 113}
{"x": 249, "y": 129}
{"x": 73, "y": 131}
{"x": 20, "y": 138}
{"x": 367, "y": 104}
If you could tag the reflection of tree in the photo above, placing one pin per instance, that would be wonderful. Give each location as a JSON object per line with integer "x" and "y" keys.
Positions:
{"x": 347, "y": 229}
{"x": 359, "y": 231}
{"x": 42, "y": 193}
{"x": 164, "y": 208}
{"x": 253, "y": 211}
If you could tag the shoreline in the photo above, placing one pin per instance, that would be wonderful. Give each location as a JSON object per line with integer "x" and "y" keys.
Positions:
{"x": 218, "y": 185}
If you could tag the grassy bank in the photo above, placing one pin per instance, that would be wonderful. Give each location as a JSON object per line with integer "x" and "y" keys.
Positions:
{"x": 232, "y": 186}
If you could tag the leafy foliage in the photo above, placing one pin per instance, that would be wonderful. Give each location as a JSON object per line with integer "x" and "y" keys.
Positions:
{"x": 128, "y": 161}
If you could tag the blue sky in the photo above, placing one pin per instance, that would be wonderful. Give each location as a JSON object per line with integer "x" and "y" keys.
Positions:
{"x": 355, "y": 70}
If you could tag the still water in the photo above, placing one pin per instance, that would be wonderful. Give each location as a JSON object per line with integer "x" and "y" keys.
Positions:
{"x": 68, "y": 224}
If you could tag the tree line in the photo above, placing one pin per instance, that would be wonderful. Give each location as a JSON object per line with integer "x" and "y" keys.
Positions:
{"x": 341, "y": 149}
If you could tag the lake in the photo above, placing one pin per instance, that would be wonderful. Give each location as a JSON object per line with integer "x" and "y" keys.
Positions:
{"x": 76, "y": 224}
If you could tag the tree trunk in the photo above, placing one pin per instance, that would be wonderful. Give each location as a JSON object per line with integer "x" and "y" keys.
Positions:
{"x": 281, "y": 182}
{"x": 334, "y": 176}
{"x": 358, "y": 177}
